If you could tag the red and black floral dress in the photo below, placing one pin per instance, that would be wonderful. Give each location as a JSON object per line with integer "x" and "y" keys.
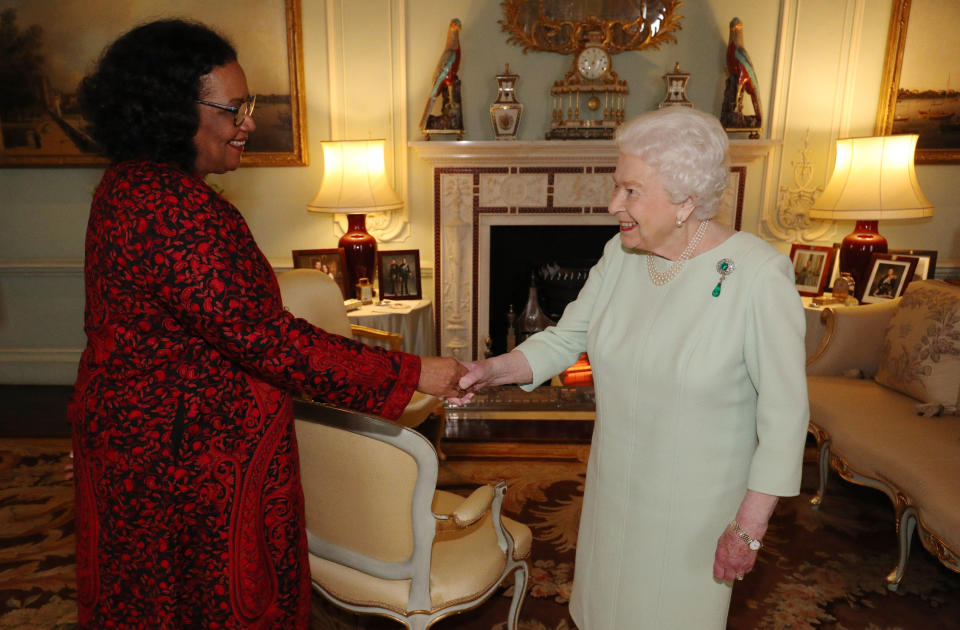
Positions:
{"x": 189, "y": 510}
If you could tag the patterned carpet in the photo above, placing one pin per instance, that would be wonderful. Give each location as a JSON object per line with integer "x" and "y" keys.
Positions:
{"x": 819, "y": 570}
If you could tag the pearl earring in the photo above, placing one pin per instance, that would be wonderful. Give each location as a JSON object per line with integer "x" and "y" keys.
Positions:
{"x": 679, "y": 222}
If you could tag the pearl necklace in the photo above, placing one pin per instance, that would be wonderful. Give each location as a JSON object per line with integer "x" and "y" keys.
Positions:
{"x": 661, "y": 279}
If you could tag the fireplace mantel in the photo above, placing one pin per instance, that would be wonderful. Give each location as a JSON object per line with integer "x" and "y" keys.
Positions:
{"x": 553, "y": 152}
{"x": 484, "y": 183}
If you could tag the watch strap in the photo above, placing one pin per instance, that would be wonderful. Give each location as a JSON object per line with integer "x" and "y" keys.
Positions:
{"x": 751, "y": 542}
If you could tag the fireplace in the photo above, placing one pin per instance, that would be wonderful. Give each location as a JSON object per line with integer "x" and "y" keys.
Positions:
{"x": 484, "y": 189}
{"x": 554, "y": 258}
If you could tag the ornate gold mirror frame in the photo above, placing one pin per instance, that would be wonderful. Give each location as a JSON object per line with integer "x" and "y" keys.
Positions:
{"x": 561, "y": 25}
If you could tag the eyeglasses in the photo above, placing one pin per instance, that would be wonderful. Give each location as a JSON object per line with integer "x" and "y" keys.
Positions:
{"x": 239, "y": 113}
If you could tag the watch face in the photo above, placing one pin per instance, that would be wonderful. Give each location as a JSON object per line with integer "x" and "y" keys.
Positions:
{"x": 593, "y": 62}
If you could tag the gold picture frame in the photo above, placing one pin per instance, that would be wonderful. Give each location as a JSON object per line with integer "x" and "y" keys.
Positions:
{"x": 939, "y": 124}
{"x": 48, "y": 131}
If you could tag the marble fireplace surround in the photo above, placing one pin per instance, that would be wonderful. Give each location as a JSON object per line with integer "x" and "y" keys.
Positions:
{"x": 481, "y": 184}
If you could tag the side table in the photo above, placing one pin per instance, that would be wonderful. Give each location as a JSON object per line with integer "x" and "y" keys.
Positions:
{"x": 411, "y": 318}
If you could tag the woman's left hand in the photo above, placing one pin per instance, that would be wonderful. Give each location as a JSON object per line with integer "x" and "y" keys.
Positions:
{"x": 734, "y": 559}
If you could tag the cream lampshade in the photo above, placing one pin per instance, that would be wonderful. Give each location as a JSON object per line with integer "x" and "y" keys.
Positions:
{"x": 355, "y": 183}
{"x": 874, "y": 178}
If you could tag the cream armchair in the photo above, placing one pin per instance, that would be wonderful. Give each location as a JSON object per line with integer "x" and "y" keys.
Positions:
{"x": 314, "y": 296}
{"x": 383, "y": 540}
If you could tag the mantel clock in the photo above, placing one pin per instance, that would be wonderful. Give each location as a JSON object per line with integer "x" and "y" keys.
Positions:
{"x": 588, "y": 103}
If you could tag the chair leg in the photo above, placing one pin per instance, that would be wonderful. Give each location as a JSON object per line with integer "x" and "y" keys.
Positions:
{"x": 520, "y": 576}
{"x": 823, "y": 464}
{"x": 418, "y": 622}
{"x": 441, "y": 414}
{"x": 906, "y": 525}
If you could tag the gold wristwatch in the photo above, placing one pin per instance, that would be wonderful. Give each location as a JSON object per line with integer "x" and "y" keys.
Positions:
{"x": 752, "y": 542}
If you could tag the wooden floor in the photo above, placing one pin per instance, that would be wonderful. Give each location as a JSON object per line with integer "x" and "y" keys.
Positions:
{"x": 34, "y": 410}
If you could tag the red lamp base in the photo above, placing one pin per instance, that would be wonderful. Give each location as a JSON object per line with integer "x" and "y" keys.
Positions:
{"x": 856, "y": 251}
{"x": 360, "y": 250}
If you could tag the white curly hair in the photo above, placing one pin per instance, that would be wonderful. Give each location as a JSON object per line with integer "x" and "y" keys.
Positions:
{"x": 688, "y": 149}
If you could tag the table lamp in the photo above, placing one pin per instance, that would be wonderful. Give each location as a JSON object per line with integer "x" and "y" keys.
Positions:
{"x": 355, "y": 183}
{"x": 874, "y": 178}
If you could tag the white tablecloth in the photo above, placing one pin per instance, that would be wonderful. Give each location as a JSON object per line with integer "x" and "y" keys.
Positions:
{"x": 411, "y": 318}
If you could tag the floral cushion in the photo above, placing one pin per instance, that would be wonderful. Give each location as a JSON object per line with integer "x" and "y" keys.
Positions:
{"x": 920, "y": 356}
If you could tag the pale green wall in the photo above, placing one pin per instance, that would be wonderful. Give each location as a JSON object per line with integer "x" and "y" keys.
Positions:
{"x": 43, "y": 212}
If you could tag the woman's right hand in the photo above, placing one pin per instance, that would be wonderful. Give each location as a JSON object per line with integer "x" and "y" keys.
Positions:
{"x": 439, "y": 376}
{"x": 506, "y": 368}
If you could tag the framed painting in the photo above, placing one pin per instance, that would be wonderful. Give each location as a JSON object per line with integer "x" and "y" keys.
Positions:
{"x": 812, "y": 265}
{"x": 58, "y": 42}
{"x": 889, "y": 276}
{"x": 920, "y": 74}
{"x": 730, "y": 209}
{"x": 927, "y": 265}
{"x": 399, "y": 274}
{"x": 330, "y": 261}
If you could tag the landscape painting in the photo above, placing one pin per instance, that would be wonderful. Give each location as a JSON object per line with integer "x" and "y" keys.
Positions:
{"x": 921, "y": 92}
{"x": 50, "y": 45}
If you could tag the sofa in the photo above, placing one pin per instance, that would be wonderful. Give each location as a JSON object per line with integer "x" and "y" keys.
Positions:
{"x": 884, "y": 386}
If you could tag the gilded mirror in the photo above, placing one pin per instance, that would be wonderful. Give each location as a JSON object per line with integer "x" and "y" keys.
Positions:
{"x": 561, "y": 25}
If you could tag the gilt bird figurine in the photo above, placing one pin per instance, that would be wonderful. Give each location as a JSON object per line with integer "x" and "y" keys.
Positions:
{"x": 742, "y": 78}
{"x": 445, "y": 116}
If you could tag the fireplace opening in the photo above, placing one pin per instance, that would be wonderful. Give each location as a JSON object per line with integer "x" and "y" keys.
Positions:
{"x": 555, "y": 258}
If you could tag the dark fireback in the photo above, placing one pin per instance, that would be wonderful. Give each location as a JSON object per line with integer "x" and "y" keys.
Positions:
{"x": 557, "y": 258}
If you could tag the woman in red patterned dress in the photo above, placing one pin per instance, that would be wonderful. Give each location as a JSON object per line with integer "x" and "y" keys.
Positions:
{"x": 189, "y": 510}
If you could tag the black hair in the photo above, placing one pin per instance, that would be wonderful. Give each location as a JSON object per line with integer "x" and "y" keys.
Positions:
{"x": 140, "y": 100}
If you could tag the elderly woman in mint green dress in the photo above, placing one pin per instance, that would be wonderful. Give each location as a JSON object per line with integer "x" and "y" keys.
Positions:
{"x": 695, "y": 335}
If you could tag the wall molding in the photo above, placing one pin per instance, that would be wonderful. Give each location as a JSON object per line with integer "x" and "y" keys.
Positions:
{"x": 352, "y": 92}
{"x": 786, "y": 204}
{"x": 43, "y": 366}
{"x": 63, "y": 268}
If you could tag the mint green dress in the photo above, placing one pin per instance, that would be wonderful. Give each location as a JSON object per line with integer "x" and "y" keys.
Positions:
{"x": 698, "y": 399}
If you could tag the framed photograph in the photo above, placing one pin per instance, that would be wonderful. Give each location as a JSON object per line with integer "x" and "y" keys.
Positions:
{"x": 399, "y": 274}
{"x": 330, "y": 261}
{"x": 889, "y": 276}
{"x": 812, "y": 265}
{"x": 927, "y": 265}
{"x": 40, "y": 118}
{"x": 835, "y": 272}
{"x": 917, "y": 95}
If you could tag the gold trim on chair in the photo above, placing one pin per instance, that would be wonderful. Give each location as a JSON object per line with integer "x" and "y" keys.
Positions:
{"x": 906, "y": 514}
{"x": 394, "y": 339}
{"x": 829, "y": 320}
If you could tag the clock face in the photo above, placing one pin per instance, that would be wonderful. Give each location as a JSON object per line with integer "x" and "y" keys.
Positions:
{"x": 593, "y": 62}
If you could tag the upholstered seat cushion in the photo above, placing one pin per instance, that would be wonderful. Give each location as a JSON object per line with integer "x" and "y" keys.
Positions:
{"x": 880, "y": 435}
{"x": 452, "y": 551}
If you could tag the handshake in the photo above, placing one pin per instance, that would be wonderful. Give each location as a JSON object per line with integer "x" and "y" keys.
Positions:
{"x": 456, "y": 381}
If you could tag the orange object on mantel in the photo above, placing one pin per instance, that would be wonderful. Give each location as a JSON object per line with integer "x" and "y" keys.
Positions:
{"x": 580, "y": 374}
